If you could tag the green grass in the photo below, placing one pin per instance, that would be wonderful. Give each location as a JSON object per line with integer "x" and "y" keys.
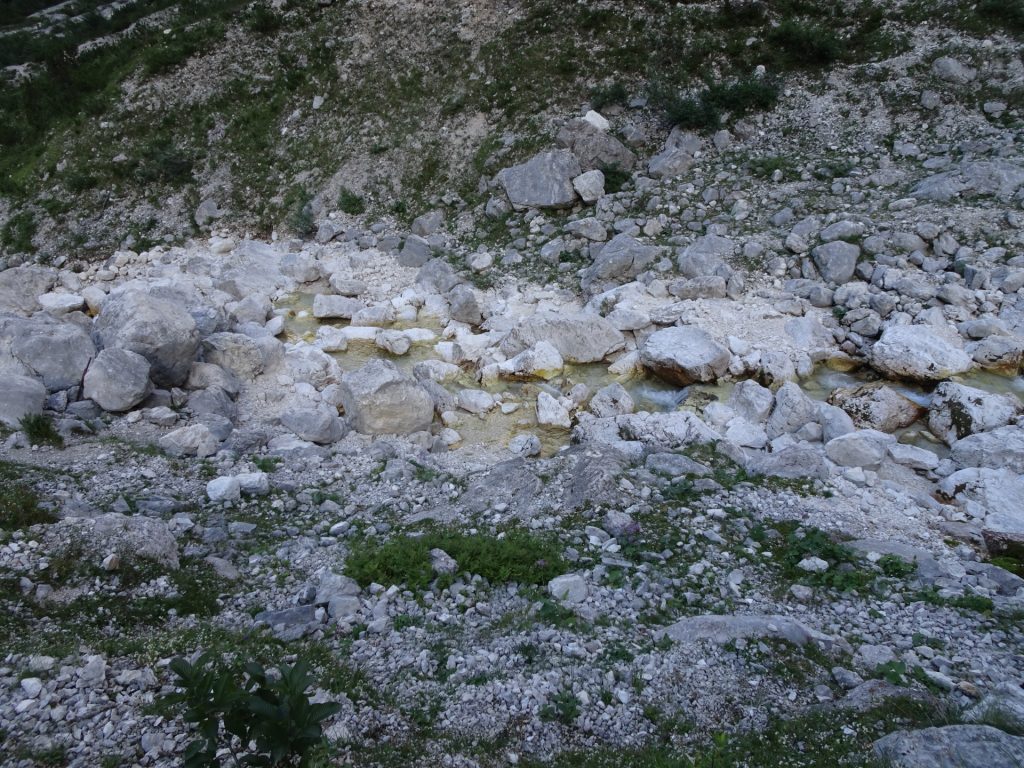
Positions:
{"x": 817, "y": 738}
{"x": 39, "y": 430}
{"x": 19, "y": 504}
{"x": 351, "y": 203}
{"x": 517, "y": 557}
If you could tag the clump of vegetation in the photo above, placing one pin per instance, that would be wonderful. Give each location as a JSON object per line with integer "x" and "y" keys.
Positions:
{"x": 39, "y": 430}
{"x": 517, "y": 556}
{"x": 563, "y": 707}
{"x": 266, "y": 464}
{"x": 607, "y": 95}
{"x": 765, "y": 167}
{"x": 256, "y": 717}
{"x": 704, "y": 110}
{"x": 19, "y": 505}
{"x": 18, "y": 232}
{"x": 1008, "y": 14}
{"x": 351, "y": 203}
{"x": 798, "y": 43}
{"x": 614, "y": 179}
{"x": 263, "y": 20}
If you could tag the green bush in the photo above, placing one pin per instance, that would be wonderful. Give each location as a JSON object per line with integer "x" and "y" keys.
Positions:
{"x": 703, "y": 111}
{"x": 351, "y": 203}
{"x": 261, "y": 719}
{"x": 1008, "y": 14}
{"x": 19, "y": 505}
{"x": 605, "y": 95}
{"x": 517, "y": 557}
{"x": 18, "y": 233}
{"x": 39, "y": 430}
{"x": 263, "y": 20}
{"x": 802, "y": 44}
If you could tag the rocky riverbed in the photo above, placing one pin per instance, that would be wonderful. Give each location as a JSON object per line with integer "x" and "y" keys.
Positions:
{"x": 712, "y": 453}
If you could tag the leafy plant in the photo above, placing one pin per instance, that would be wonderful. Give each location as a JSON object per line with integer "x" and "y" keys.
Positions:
{"x": 19, "y": 506}
{"x": 261, "y": 720}
{"x": 606, "y": 95}
{"x": 39, "y": 430}
{"x": 351, "y": 203}
{"x": 516, "y": 557}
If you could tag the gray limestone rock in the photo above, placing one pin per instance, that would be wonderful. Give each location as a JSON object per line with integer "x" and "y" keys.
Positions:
{"x": 159, "y": 329}
{"x": 544, "y": 181}
{"x": 380, "y": 400}
{"x": 684, "y": 355}
{"x": 117, "y": 380}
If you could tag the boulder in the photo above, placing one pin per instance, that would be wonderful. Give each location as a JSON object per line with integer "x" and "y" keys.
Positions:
{"x": 319, "y": 424}
{"x": 919, "y": 353}
{"x": 594, "y": 147}
{"x": 684, "y": 355}
{"x": 951, "y": 746}
{"x": 958, "y": 411}
{"x": 589, "y": 186}
{"x": 20, "y": 396}
{"x": 234, "y": 352}
{"x": 612, "y": 400}
{"x": 552, "y": 412}
{"x": 117, "y": 380}
{"x": 997, "y": 449}
{"x": 193, "y": 440}
{"x": 866, "y": 448}
{"x": 132, "y": 538}
{"x": 570, "y": 588}
{"x": 752, "y": 402}
{"x": 57, "y": 352}
{"x": 836, "y": 261}
{"x": 542, "y": 361}
{"x": 20, "y": 288}
{"x": 995, "y": 494}
{"x": 876, "y": 406}
{"x": 544, "y": 181}
{"x": 579, "y": 338}
{"x": 793, "y": 410}
{"x": 379, "y": 400}
{"x": 160, "y": 330}
{"x": 329, "y": 307}
{"x": 224, "y": 489}
{"x": 621, "y": 257}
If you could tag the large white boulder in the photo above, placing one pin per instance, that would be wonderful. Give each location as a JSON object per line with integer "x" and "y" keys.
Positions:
{"x": 160, "y": 330}
{"x": 117, "y": 380}
{"x": 684, "y": 355}
{"x": 379, "y": 400}
{"x": 918, "y": 352}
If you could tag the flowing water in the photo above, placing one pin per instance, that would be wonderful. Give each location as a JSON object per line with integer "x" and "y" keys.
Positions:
{"x": 649, "y": 393}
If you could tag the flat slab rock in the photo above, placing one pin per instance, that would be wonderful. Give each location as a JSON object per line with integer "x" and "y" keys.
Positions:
{"x": 952, "y": 746}
{"x": 722, "y": 629}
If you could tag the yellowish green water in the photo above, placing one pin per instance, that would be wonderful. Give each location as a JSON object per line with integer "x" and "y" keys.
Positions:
{"x": 649, "y": 393}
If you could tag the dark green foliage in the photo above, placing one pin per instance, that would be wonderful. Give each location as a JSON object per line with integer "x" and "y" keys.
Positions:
{"x": 563, "y": 707}
{"x": 19, "y": 505}
{"x": 266, "y": 464}
{"x": 351, "y": 203}
{"x": 262, "y": 719}
{"x": 263, "y": 19}
{"x": 39, "y": 430}
{"x": 517, "y": 557}
{"x": 18, "y": 233}
{"x": 606, "y": 95}
{"x": 1011, "y": 564}
{"x": 798, "y": 43}
{"x": 704, "y": 110}
{"x": 299, "y": 217}
{"x": 896, "y": 567}
{"x": 765, "y": 167}
{"x": 1006, "y": 14}
{"x": 614, "y": 179}
{"x": 967, "y": 602}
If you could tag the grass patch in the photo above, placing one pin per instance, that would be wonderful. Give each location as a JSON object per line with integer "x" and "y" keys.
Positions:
{"x": 351, "y": 203}
{"x": 705, "y": 109}
{"x": 517, "y": 556}
{"x": 39, "y": 430}
{"x": 19, "y": 505}
{"x": 608, "y": 95}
